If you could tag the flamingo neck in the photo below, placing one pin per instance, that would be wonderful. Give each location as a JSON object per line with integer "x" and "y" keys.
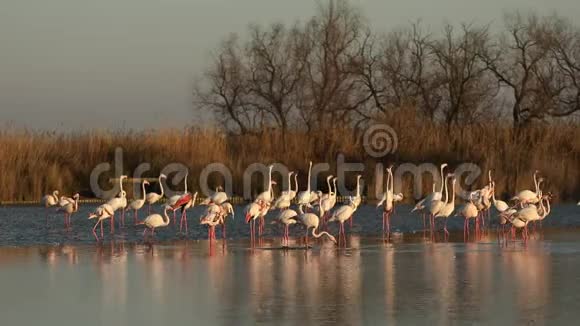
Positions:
{"x": 388, "y": 181}
{"x": 161, "y": 185}
{"x": 296, "y": 182}
{"x": 446, "y": 191}
{"x": 309, "y": 173}
{"x": 328, "y": 184}
{"x": 289, "y": 181}
{"x": 392, "y": 181}
{"x": 55, "y": 195}
{"x": 185, "y": 192}
{"x": 335, "y": 189}
{"x": 358, "y": 187}
{"x": 453, "y": 193}
{"x": 442, "y": 180}
{"x": 166, "y": 219}
{"x": 536, "y": 183}
{"x": 143, "y": 188}
{"x": 270, "y": 180}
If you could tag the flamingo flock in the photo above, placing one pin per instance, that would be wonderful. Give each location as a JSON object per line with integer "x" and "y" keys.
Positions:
{"x": 315, "y": 210}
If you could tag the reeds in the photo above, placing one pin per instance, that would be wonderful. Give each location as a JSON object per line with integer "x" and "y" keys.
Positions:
{"x": 35, "y": 163}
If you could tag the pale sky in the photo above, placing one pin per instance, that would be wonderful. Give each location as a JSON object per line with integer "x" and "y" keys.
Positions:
{"x": 78, "y": 64}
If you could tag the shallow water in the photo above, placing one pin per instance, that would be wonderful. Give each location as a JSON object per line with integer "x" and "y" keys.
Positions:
{"x": 409, "y": 280}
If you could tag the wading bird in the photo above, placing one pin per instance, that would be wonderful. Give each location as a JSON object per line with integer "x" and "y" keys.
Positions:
{"x": 154, "y": 221}
{"x": 154, "y": 197}
{"x": 102, "y": 213}
{"x": 70, "y": 208}
{"x": 49, "y": 201}
{"x": 311, "y": 221}
{"x": 137, "y": 204}
{"x": 286, "y": 217}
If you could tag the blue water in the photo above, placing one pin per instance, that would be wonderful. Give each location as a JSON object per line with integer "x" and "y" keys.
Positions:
{"x": 49, "y": 276}
{"x": 27, "y": 225}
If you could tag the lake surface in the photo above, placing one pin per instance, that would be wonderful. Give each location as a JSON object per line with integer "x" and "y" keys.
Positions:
{"x": 50, "y": 276}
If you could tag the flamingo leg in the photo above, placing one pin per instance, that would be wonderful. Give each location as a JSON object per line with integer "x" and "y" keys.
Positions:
{"x": 94, "y": 232}
{"x": 224, "y": 230}
{"x": 102, "y": 236}
{"x": 113, "y": 223}
{"x": 445, "y": 229}
{"x": 388, "y": 224}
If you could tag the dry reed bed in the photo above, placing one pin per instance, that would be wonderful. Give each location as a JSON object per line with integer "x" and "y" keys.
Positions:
{"x": 34, "y": 163}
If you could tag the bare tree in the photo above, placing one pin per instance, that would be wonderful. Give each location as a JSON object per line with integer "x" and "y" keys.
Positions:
{"x": 277, "y": 60}
{"x": 469, "y": 87}
{"x": 225, "y": 89}
{"x": 515, "y": 61}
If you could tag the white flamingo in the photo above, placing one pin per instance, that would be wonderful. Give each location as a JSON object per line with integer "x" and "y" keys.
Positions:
{"x": 285, "y": 199}
{"x": 102, "y": 213}
{"x": 449, "y": 207}
{"x": 267, "y": 196}
{"x": 172, "y": 201}
{"x": 118, "y": 202}
{"x": 69, "y": 209}
{"x": 528, "y": 196}
{"x": 311, "y": 221}
{"x": 303, "y": 197}
{"x": 216, "y": 215}
{"x": 154, "y": 197}
{"x": 49, "y": 201}
{"x": 137, "y": 204}
{"x": 467, "y": 211}
{"x": 185, "y": 202}
{"x": 436, "y": 205}
{"x": 155, "y": 221}
{"x": 342, "y": 214}
{"x": 356, "y": 200}
{"x": 286, "y": 217}
{"x": 434, "y": 195}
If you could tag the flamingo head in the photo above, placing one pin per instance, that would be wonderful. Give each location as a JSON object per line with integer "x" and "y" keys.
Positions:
{"x": 92, "y": 216}
{"x": 145, "y": 182}
{"x": 444, "y": 165}
{"x": 77, "y": 196}
{"x": 248, "y": 217}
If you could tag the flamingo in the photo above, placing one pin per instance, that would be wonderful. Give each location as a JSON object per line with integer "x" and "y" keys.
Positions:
{"x": 69, "y": 209}
{"x": 357, "y": 198}
{"x": 253, "y": 211}
{"x": 434, "y": 195}
{"x": 528, "y": 196}
{"x": 154, "y": 221}
{"x": 216, "y": 215}
{"x": 388, "y": 200}
{"x": 218, "y": 197}
{"x": 342, "y": 214}
{"x": 285, "y": 199}
{"x": 50, "y": 200}
{"x": 102, "y": 213}
{"x": 449, "y": 207}
{"x": 467, "y": 211}
{"x": 175, "y": 198}
{"x": 137, "y": 204}
{"x": 118, "y": 202}
{"x": 303, "y": 197}
{"x": 310, "y": 220}
{"x": 329, "y": 193}
{"x": 153, "y": 197}
{"x": 294, "y": 191}
{"x": 267, "y": 196}
{"x": 185, "y": 202}
{"x": 436, "y": 205}
{"x": 286, "y": 217}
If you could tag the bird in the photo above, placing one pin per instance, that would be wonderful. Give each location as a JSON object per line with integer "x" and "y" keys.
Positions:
{"x": 69, "y": 209}
{"x": 218, "y": 197}
{"x": 500, "y": 205}
{"x": 154, "y": 197}
{"x": 185, "y": 202}
{"x": 329, "y": 193}
{"x": 311, "y": 221}
{"x": 49, "y": 201}
{"x": 467, "y": 211}
{"x": 434, "y": 206}
{"x": 137, "y": 204}
{"x": 286, "y": 217}
{"x": 171, "y": 201}
{"x": 356, "y": 199}
{"x": 267, "y": 196}
{"x": 102, "y": 213}
{"x": 342, "y": 214}
{"x": 285, "y": 198}
{"x": 578, "y": 204}
{"x": 154, "y": 221}
{"x": 388, "y": 200}
{"x": 118, "y": 202}
{"x": 527, "y": 196}
{"x": 303, "y": 197}
{"x": 449, "y": 207}
{"x": 252, "y": 212}
{"x": 216, "y": 215}
{"x": 434, "y": 195}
